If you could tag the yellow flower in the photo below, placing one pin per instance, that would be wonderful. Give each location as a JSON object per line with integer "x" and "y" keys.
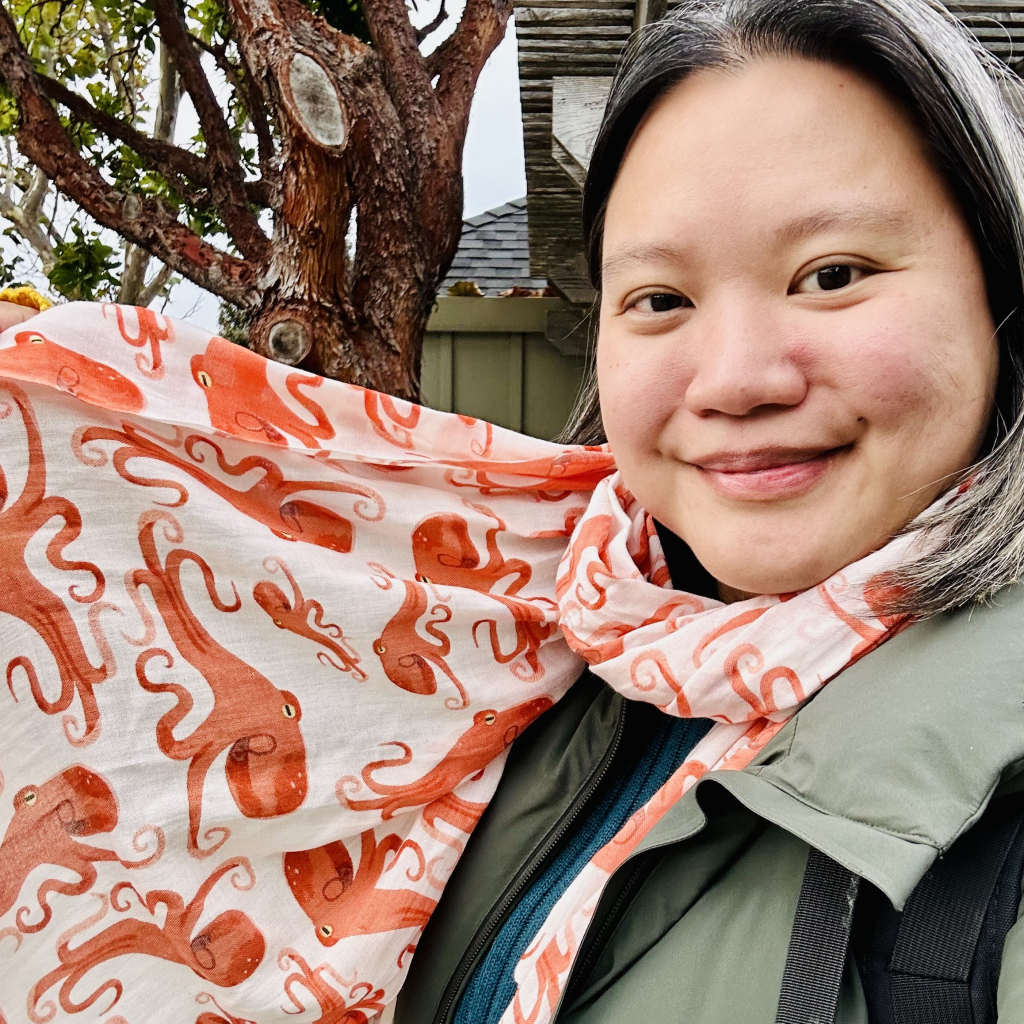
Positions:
{"x": 25, "y": 296}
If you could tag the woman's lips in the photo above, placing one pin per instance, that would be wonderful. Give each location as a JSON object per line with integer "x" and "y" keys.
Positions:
{"x": 767, "y": 475}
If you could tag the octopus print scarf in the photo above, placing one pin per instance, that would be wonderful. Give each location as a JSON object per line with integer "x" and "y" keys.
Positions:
{"x": 266, "y": 639}
{"x": 748, "y": 666}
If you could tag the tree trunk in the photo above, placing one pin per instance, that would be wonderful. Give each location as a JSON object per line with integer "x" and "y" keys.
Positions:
{"x": 345, "y": 162}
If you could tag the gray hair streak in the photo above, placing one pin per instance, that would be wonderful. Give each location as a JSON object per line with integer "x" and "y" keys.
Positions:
{"x": 966, "y": 104}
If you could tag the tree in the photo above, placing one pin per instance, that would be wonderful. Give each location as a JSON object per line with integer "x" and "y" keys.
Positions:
{"x": 349, "y": 148}
{"x": 67, "y": 248}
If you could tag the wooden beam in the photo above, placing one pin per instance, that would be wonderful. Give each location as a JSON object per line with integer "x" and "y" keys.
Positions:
{"x": 577, "y": 107}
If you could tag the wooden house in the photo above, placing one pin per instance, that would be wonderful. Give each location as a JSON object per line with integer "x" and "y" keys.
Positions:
{"x": 567, "y": 53}
{"x": 491, "y": 353}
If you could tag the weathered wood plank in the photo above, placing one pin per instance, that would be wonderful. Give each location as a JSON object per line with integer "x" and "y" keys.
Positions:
{"x": 580, "y": 40}
{"x": 974, "y": 8}
{"x": 572, "y": 32}
{"x": 594, "y": 5}
{"x": 577, "y": 106}
{"x": 528, "y": 16}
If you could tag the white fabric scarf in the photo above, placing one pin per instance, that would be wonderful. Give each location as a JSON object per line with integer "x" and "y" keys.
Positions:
{"x": 266, "y": 639}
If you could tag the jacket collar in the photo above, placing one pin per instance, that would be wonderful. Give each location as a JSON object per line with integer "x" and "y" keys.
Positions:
{"x": 897, "y": 756}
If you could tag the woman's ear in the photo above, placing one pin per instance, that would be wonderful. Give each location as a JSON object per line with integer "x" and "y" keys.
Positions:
{"x": 12, "y": 313}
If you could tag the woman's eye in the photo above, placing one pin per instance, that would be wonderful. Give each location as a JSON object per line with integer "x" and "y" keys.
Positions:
{"x": 659, "y": 302}
{"x": 831, "y": 278}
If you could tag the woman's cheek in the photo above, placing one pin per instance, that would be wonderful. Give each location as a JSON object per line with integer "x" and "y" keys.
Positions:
{"x": 640, "y": 392}
{"x": 886, "y": 373}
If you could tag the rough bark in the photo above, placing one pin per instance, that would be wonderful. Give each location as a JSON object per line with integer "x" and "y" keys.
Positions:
{"x": 147, "y": 222}
{"x": 371, "y": 135}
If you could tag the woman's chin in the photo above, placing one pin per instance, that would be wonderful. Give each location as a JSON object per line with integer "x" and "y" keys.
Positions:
{"x": 787, "y": 547}
{"x": 771, "y": 568}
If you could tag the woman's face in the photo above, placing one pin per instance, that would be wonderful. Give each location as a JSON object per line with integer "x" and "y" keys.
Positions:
{"x": 796, "y": 350}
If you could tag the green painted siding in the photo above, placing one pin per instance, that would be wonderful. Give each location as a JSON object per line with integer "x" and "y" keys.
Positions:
{"x": 489, "y": 358}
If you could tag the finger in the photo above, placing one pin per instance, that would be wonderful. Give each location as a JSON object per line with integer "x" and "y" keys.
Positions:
{"x": 12, "y": 313}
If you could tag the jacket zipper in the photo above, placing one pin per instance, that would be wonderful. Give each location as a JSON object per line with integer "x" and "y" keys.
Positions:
{"x": 491, "y": 924}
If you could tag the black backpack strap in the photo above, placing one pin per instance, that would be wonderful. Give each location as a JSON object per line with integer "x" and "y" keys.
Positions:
{"x": 937, "y": 961}
{"x": 818, "y": 943}
{"x": 941, "y": 969}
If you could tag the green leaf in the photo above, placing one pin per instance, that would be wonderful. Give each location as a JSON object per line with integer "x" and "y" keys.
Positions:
{"x": 9, "y": 271}
{"x": 234, "y": 323}
{"x": 85, "y": 267}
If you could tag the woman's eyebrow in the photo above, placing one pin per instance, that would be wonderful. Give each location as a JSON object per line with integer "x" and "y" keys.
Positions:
{"x": 891, "y": 218}
{"x": 888, "y": 218}
{"x": 630, "y": 255}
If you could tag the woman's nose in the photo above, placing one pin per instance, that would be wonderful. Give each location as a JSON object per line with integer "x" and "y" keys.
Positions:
{"x": 744, "y": 362}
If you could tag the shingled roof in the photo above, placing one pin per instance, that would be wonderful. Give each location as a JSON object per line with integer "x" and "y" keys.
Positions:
{"x": 495, "y": 251}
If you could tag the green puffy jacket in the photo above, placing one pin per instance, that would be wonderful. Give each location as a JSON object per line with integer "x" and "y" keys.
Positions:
{"x": 882, "y": 770}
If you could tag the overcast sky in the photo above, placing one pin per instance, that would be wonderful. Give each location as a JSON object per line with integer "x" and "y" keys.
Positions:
{"x": 493, "y": 167}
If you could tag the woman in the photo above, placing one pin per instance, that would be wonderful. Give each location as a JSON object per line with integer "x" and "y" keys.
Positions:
{"x": 804, "y": 221}
{"x": 804, "y": 224}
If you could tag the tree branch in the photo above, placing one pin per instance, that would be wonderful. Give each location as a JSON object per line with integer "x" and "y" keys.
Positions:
{"x": 169, "y": 160}
{"x": 405, "y": 75}
{"x": 134, "y": 290}
{"x": 156, "y": 286}
{"x": 173, "y": 162}
{"x": 137, "y": 259}
{"x": 432, "y": 26}
{"x": 227, "y": 179}
{"x": 133, "y": 275}
{"x": 438, "y": 58}
{"x": 32, "y": 200}
{"x": 114, "y": 64}
{"x": 459, "y": 60}
{"x": 168, "y": 98}
{"x": 457, "y": 63}
{"x": 146, "y": 222}
{"x": 251, "y": 100}
{"x": 29, "y": 229}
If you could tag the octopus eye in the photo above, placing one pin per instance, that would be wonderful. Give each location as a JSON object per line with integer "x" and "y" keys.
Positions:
{"x": 288, "y": 710}
{"x": 490, "y": 718}
{"x": 279, "y": 623}
{"x": 30, "y": 797}
{"x": 326, "y": 930}
{"x": 37, "y": 339}
{"x": 205, "y": 379}
{"x": 423, "y": 579}
{"x": 381, "y": 649}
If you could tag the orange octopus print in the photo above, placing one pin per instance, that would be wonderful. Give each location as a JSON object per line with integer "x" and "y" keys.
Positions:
{"x": 491, "y": 732}
{"x": 243, "y": 402}
{"x": 342, "y": 901}
{"x": 37, "y": 358}
{"x": 255, "y": 722}
{"x": 258, "y": 619}
{"x": 50, "y": 821}
{"x": 224, "y": 952}
{"x": 24, "y": 597}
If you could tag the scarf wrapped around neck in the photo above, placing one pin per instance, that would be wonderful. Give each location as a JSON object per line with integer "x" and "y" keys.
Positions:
{"x": 266, "y": 640}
